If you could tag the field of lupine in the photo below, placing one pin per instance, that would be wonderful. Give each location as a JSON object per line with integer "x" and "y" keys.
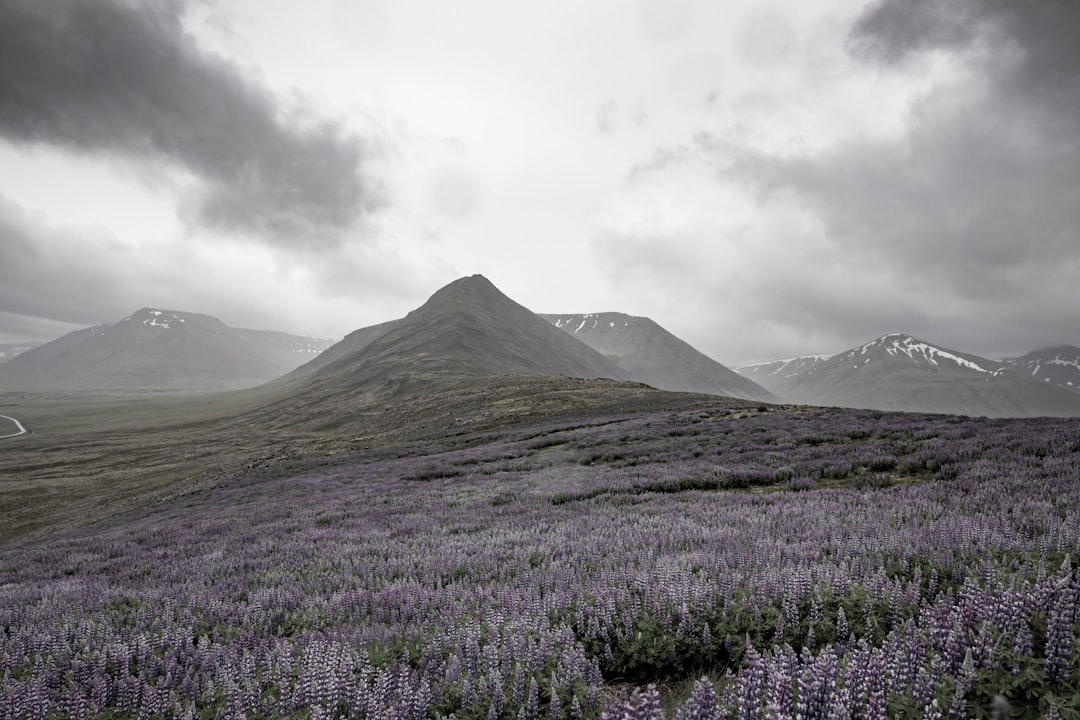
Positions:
{"x": 706, "y": 564}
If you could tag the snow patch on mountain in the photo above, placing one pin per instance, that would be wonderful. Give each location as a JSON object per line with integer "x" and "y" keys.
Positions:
{"x": 786, "y": 367}
{"x": 583, "y": 322}
{"x": 1058, "y": 360}
{"x": 1057, "y": 365}
{"x": 919, "y": 352}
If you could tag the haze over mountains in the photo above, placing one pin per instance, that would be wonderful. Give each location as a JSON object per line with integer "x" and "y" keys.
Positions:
{"x": 8, "y": 351}
{"x": 900, "y": 372}
{"x": 159, "y": 350}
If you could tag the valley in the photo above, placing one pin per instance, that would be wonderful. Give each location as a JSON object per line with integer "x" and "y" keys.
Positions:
{"x": 16, "y": 426}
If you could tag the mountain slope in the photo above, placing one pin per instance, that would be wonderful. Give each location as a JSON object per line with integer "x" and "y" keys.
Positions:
{"x": 648, "y": 353}
{"x": 778, "y": 375}
{"x": 351, "y": 344}
{"x": 1057, "y": 365}
{"x": 466, "y": 330}
{"x": 899, "y": 372}
{"x": 158, "y": 350}
{"x": 9, "y": 351}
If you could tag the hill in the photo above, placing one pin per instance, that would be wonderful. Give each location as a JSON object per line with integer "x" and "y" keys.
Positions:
{"x": 466, "y": 330}
{"x": 158, "y": 350}
{"x": 648, "y": 353}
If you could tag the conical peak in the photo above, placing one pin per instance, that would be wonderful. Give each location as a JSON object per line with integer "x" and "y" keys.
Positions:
{"x": 473, "y": 290}
{"x": 469, "y": 283}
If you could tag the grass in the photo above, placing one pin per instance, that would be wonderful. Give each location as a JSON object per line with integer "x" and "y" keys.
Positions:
{"x": 90, "y": 456}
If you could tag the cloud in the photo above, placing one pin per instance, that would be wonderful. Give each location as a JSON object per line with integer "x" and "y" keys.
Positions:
{"x": 981, "y": 191}
{"x": 51, "y": 276}
{"x": 57, "y": 278}
{"x": 973, "y": 208}
{"x": 605, "y": 117}
{"x": 962, "y": 227}
{"x": 124, "y": 79}
{"x": 1026, "y": 52}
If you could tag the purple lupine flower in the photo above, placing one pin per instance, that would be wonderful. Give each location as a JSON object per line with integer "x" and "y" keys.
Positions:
{"x": 842, "y": 631}
{"x": 531, "y": 709}
{"x": 702, "y": 703}
{"x": 641, "y": 705}
{"x": 554, "y": 706}
{"x": 1059, "y": 643}
{"x": 647, "y": 705}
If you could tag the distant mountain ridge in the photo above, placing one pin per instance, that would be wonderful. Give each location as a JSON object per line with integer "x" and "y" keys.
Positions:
{"x": 648, "y": 353}
{"x": 769, "y": 373}
{"x": 1059, "y": 365}
{"x": 154, "y": 349}
{"x": 900, "y": 372}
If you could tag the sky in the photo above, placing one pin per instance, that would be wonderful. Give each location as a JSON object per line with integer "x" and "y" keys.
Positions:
{"x": 764, "y": 179}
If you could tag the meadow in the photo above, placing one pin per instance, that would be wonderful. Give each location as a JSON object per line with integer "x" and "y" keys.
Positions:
{"x": 716, "y": 562}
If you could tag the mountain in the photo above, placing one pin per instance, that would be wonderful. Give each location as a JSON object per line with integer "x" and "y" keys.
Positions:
{"x": 466, "y": 330}
{"x": 11, "y": 350}
{"x": 1056, "y": 365}
{"x": 158, "y": 350}
{"x": 351, "y": 344}
{"x": 777, "y": 375}
{"x": 900, "y": 372}
{"x": 648, "y": 353}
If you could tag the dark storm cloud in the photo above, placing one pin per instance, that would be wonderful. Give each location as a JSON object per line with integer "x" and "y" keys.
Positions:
{"x": 1030, "y": 52}
{"x": 891, "y": 31}
{"x": 55, "y": 279}
{"x": 124, "y": 78}
{"x": 51, "y": 276}
{"x": 973, "y": 211}
{"x": 987, "y": 179}
{"x": 963, "y": 228}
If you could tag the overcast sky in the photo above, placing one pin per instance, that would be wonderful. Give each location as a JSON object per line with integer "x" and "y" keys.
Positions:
{"x": 764, "y": 179}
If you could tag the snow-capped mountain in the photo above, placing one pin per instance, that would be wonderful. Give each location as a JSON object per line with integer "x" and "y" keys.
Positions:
{"x": 1057, "y": 365}
{"x": 908, "y": 351}
{"x": 900, "y": 372}
{"x": 648, "y": 353}
{"x": 155, "y": 349}
{"x": 775, "y": 375}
